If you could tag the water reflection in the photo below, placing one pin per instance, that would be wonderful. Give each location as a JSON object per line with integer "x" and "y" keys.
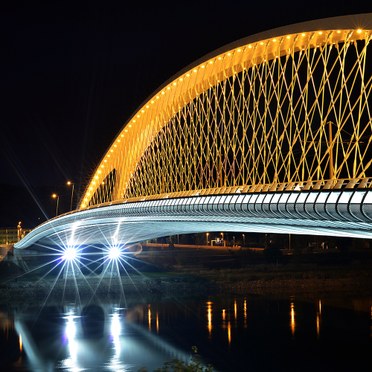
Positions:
{"x": 318, "y": 318}
{"x": 245, "y": 313}
{"x": 110, "y": 337}
{"x": 293, "y": 320}
{"x": 11, "y": 344}
{"x": 70, "y": 334}
{"x": 235, "y": 310}
{"x": 149, "y": 316}
{"x": 223, "y": 317}
{"x": 90, "y": 337}
{"x": 229, "y": 332}
{"x": 209, "y": 317}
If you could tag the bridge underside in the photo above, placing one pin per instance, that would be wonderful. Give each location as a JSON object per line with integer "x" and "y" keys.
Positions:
{"x": 345, "y": 213}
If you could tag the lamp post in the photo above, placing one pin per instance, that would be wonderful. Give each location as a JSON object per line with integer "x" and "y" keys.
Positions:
{"x": 69, "y": 183}
{"x": 55, "y": 196}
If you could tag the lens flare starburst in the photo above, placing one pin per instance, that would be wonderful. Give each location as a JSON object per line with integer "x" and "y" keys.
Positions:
{"x": 79, "y": 270}
{"x": 114, "y": 253}
{"x": 70, "y": 254}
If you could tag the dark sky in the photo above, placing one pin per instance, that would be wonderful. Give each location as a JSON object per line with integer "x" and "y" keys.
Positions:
{"x": 71, "y": 75}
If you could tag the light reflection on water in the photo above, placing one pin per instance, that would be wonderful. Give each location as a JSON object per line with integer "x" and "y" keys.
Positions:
{"x": 238, "y": 333}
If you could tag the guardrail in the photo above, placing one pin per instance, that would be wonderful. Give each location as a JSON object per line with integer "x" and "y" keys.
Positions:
{"x": 330, "y": 184}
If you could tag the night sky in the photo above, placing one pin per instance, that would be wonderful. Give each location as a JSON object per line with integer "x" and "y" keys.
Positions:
{"x": 71, "y": 75}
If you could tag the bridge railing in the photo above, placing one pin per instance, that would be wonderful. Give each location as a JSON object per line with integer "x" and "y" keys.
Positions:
{"x": 331, "y": 184}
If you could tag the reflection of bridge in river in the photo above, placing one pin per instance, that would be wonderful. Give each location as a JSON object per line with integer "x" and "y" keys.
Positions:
{"x": 148, "y": 333}
{"x": 272, "y": 134}
{"x": 92, "y": 334}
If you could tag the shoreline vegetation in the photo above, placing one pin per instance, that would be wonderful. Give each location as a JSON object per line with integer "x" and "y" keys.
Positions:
{"x": 190, "y": 276}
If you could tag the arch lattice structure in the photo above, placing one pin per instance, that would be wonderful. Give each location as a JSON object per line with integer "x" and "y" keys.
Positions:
{"x": 279, "y": 110}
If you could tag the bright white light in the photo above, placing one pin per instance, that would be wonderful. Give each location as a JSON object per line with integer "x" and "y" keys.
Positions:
{"x": 115, "y": 325}
{"x": 114, "y": 253}
{"x": 69, "y": 254}
{"x": 70, "y": 334}
{"x": 70, "y": 330}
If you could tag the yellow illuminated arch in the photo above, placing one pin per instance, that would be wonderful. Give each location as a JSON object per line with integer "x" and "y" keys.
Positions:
{"x": 280, "y": 102}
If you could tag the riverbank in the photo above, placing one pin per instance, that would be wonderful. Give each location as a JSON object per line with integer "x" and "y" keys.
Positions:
{"x": 307, "y": 280}
{"x": 282, "y": 280}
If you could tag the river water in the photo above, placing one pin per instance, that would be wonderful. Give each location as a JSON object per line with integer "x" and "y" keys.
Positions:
{"x": 245, "y": 333}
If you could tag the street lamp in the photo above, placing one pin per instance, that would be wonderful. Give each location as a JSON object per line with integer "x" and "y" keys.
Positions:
{"x": 55, "y": 196}
{"x": 69, "y": 183}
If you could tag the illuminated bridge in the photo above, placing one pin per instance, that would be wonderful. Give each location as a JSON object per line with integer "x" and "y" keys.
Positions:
{"x": 272, "y": 134}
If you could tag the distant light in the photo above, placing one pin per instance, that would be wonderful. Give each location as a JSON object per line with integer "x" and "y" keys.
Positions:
{"x": 69, "y": 254}
{"x": 114, "y": 253}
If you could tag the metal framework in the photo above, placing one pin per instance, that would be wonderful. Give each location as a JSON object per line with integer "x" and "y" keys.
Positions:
{"x": 284, "y": 110}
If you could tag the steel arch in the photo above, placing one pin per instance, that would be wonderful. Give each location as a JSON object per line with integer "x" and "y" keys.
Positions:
{"x": 279, "y": 117}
